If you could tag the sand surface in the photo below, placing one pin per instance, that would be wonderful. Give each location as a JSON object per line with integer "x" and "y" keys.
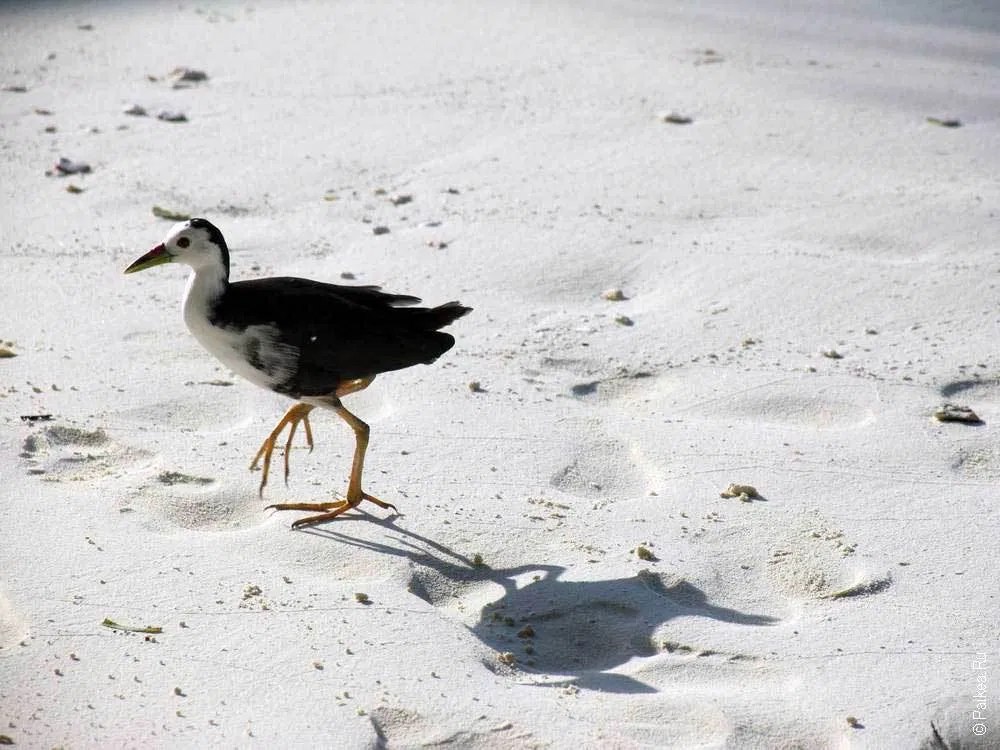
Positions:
{"x": 808, "y": 269}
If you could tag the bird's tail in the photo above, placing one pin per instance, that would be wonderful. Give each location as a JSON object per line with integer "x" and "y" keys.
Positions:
{"x": 446, "y": 314}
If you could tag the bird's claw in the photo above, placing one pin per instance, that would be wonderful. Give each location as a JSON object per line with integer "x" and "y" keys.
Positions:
{"x": 297, "y": 413}
{"x": 330, "y": 510}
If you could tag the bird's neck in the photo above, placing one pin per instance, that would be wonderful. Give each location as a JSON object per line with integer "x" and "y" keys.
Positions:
{"x": 205, "y": 288}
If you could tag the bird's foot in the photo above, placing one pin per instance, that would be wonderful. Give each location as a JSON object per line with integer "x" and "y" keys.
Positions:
{"x": 297, "y": 413}
{"x": 330, "y": 510}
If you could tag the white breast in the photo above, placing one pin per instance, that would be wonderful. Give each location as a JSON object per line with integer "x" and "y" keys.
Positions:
{"x": 253, "y": 353}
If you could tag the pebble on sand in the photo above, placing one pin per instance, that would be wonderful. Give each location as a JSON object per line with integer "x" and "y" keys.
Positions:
{"x": 171, "y": 115}
{"x": 67, "y": 166}
{"x": 954, "y": 413}
{"x": 183, "y": 77}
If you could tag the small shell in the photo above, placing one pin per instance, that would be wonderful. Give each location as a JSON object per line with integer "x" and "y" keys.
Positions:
{"x": 745, "y": 492}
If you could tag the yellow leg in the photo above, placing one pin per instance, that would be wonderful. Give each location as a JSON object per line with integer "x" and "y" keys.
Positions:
{"x": 353, "y": 386}
{"x": 355, "y": 494}
{"x": 297, "y": 413}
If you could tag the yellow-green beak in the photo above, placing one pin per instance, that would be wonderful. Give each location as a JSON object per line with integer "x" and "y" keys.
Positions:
{"x": 155, "y": 257}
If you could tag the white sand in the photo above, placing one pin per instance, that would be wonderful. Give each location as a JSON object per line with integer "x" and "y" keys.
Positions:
{"x": 809, "y": 207}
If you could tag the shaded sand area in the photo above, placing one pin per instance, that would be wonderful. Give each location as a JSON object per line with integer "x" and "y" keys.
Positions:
{"x": 713, "y": 245}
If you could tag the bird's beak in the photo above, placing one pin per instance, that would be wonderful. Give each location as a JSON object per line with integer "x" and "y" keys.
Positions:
{"x": 154, "y": 257}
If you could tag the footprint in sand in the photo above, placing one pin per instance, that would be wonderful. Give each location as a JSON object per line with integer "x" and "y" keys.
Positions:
{"x": 204, "y": 484}
{"x": 813, "y": 559}
{"x": 816, "y": 402}
{"x": 168, "y": 497}
{"x": 606, "y": 469}
{"x": 64, "y": 453}
{"x": 965, "y": 721}
{"x": 603, "y": 467}
{"x": 977, "y": 462}
{"x": 977, "y": 458}
{"x": 172, "y": 499}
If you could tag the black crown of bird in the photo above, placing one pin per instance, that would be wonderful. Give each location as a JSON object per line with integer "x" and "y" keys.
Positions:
{"x": 311, "y": 341}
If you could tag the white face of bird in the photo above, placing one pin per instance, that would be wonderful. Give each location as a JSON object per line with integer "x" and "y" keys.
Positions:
{"x": 196, "y": 243}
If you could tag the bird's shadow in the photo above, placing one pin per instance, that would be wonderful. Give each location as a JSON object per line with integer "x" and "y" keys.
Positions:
{"x": 576, "y": 630}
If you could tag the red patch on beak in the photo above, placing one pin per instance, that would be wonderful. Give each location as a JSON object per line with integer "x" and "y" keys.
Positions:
{"x": 154, "y": 257}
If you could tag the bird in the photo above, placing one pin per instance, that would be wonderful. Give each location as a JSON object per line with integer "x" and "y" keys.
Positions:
{"x": 312, "y": 341}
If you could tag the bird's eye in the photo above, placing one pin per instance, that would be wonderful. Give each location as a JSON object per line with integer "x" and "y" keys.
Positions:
{"x": 183, "y": 242}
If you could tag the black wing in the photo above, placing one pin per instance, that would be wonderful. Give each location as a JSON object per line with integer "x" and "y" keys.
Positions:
{"x": 340, "y": 332}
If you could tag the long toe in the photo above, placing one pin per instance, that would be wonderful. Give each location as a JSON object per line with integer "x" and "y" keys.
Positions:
{"x": 337, "y": 504}
{"x": 311, "y": 520}
{"x": 264, "y": 447}
{"x": 337, "y": 510}
{"x": 297, "y": 413}
{"x": 266, "y": 470}
{"x": 309, "y": 431}
{"x": 379, "y": 503}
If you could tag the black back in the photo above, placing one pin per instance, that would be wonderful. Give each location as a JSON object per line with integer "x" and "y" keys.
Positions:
{"x": 341, "y": 332}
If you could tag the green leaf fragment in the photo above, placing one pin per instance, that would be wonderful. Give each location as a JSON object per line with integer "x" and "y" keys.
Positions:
{"x": 166, "y": 213}
{"x": 109, "y": 623}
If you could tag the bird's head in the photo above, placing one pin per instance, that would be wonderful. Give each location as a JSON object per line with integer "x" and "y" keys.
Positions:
{"x": 197, "y": 243}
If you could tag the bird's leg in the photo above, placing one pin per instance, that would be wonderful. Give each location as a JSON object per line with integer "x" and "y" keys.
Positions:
{"x": 291, "y": 434}
{"x": 297, "y": 413}
{"x": 361, "y": 432}
{"x": 354, "y": 492}
{"x": 353, "y": 386}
